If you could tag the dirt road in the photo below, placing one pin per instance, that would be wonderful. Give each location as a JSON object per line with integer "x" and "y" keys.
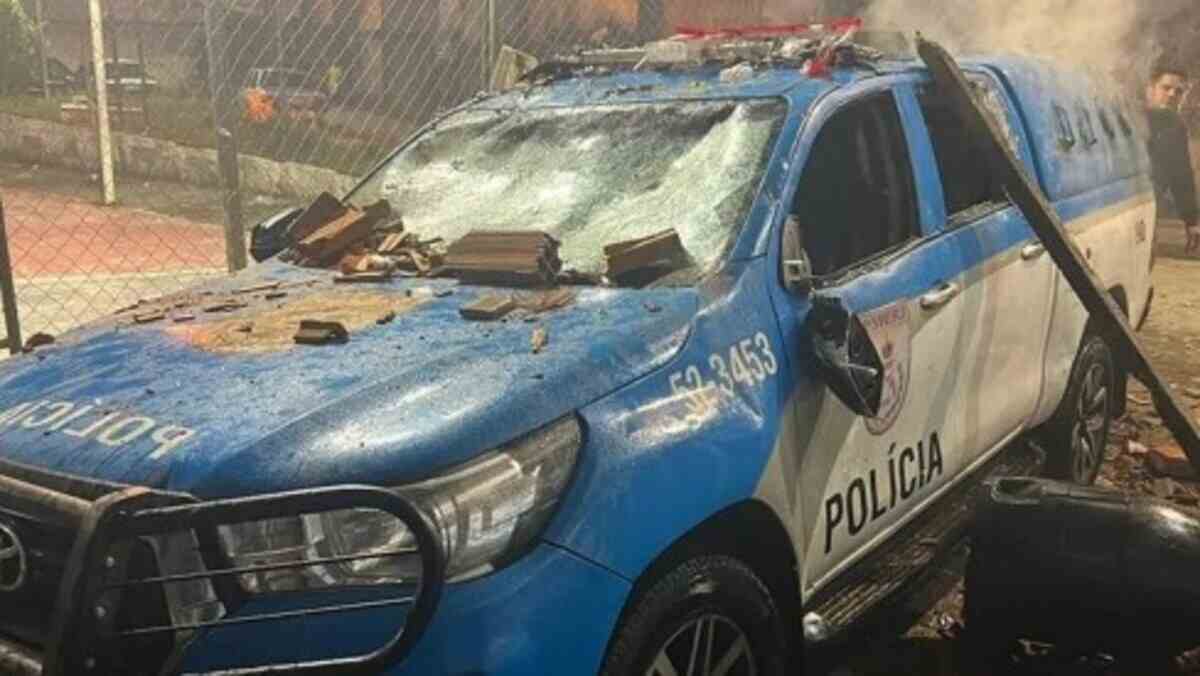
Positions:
{"x": 1172, "y": 336}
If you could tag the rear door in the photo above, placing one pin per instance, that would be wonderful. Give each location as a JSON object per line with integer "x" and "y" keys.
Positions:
{"x": 1008, "y": 280}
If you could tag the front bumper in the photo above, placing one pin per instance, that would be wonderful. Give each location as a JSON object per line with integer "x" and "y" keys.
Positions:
{"x": 99, "y": 580}
{"x": 551, "y": 612}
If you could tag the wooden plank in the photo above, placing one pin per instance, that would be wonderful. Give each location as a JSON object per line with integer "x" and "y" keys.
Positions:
{"x": 1027, "y": 195}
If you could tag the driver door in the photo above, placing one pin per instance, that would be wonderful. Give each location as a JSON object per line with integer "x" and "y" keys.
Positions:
{"x": 875, "y": 252}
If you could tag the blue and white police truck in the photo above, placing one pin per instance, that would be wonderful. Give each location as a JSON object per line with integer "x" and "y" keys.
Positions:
{"x": 738, "y": 458}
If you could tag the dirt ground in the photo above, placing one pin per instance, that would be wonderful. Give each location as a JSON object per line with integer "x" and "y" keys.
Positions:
{"x": 75, "y": 260}
{"x": 1172, "y": 337}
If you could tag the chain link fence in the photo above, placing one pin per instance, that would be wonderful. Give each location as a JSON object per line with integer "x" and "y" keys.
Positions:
{"x": 223, "y": 112}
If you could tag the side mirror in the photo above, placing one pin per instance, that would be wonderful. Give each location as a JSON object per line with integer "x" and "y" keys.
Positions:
{"x": 797, "y": 268}
{"x": 846, "y": 357}
{"x": 271, "y": 236}
{"x": 798, "y": 276}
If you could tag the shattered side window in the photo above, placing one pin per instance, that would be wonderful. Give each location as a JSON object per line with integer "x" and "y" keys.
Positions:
{"x": 589, "y": 176}
{"x": 993, "y": 103}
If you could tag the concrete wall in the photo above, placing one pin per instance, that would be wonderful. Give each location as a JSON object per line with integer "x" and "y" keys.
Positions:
{"x": 52, "y": 143}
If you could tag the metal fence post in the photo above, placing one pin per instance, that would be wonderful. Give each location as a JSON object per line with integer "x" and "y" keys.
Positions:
{"x": 37, "y": 8}
{"x": 8, "y": 290}
{"x": 141, "y": 57}
{"x": 493, "y": 49}
{"x": 224, "y": 119}
{"x": 103, "y": 128}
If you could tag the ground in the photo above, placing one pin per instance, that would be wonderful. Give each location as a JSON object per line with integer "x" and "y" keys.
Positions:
{"x": 1171, "y": 336}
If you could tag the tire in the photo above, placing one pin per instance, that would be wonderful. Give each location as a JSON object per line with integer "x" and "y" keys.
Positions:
{"x": 715, "y": 597}
{"x": 1076, "y": 436}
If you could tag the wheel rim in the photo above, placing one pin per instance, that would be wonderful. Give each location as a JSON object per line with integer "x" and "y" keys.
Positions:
{"x": 710, "y": 645}
{"x": 1091, "y": 423}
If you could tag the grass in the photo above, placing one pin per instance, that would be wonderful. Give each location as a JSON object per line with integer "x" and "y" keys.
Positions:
{"x": 328, "y": 142}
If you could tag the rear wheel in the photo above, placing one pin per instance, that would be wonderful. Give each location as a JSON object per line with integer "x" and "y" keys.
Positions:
{"x": 710, "y": 616}
{"x": 1077, "y": 436}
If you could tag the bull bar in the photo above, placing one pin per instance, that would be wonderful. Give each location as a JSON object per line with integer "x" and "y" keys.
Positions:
{"x": 107, "y": 519}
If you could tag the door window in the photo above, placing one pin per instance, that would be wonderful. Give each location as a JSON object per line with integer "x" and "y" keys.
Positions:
{"x": 856, "y": 199}
{"x": 970, "y": 185}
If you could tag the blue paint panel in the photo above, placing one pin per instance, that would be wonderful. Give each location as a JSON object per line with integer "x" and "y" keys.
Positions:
{"x": 550, "y": 613}
{"x": 646, "y": 477}
{"x": 1039, "y": 86}
{"x": 397, "y": 403}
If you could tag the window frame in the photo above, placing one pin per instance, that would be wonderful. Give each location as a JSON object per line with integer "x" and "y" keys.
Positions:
{"x": 978, "y": 211}
{"x": 900, "y": 143}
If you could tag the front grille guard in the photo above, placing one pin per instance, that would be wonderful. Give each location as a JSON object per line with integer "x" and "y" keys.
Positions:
{"x": 84, "y": 637}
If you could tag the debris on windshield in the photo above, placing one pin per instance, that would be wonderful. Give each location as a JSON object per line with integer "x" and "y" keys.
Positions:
{"x": 37, "y": 340}
{"x": 356, "y": 263}
{"x": 272, "y": 286}
{"x": 640, "y": 261}
{"x": 410, "y": 254}
{"x": 275, "y": 325}
{"x": 363, "y": 278}
{"x": 334, "y": 238}
{"x": 488, "y": 308}
{"x": 540, "y": 339}
{"x": 394, "y": 242}
{"x": 738, "y": 73}
{"x": 505, "y": 258}
{"x": 227, "y": 305}
{"x": 325, "y": 208}
{"x": 314, "y": 332}
{"x": 545, "y": 301}
{"x": 572, "y": 277}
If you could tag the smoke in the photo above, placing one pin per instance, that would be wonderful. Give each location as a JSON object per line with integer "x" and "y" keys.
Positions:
{"x": 1116, "y": 40}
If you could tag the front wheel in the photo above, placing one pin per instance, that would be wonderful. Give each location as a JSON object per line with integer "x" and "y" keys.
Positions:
{"x": 709, "y": 616}
{"x": 1077, "y": 436}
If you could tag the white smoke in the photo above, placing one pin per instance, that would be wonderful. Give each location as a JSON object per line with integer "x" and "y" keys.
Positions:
{"x": 1116, "y": 39}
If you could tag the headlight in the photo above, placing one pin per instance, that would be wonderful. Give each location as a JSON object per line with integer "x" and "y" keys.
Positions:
{"x": 484, "y": 513}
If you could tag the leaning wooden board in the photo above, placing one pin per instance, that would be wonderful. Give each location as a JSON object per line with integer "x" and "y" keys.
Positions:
{"x": 1028, "y": 197}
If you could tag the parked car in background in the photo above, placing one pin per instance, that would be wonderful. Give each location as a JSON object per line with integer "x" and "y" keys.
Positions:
{"x": 129, "y": 75}
{"x": 289, "y": 89}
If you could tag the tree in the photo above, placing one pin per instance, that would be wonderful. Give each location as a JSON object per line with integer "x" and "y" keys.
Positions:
{"x": 17, "y": 55}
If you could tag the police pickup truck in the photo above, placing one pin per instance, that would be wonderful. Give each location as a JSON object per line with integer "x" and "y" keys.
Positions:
{"x": 742, "y": 453}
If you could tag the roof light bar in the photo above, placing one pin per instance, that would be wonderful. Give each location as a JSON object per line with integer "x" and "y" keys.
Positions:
{"x": 837, "y": 26}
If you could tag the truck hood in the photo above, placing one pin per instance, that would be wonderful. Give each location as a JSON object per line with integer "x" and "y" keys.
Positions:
{"x": 403, "y": 399}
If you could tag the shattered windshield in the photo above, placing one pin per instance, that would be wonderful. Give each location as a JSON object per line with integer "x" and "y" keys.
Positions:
{"x": 589, "y": 177}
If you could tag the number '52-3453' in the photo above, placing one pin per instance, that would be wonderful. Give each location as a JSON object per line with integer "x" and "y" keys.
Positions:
{"x": 748, "y": 362}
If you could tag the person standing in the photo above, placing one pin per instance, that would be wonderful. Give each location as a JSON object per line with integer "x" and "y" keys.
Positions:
{"x": 1170, "y": 156}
